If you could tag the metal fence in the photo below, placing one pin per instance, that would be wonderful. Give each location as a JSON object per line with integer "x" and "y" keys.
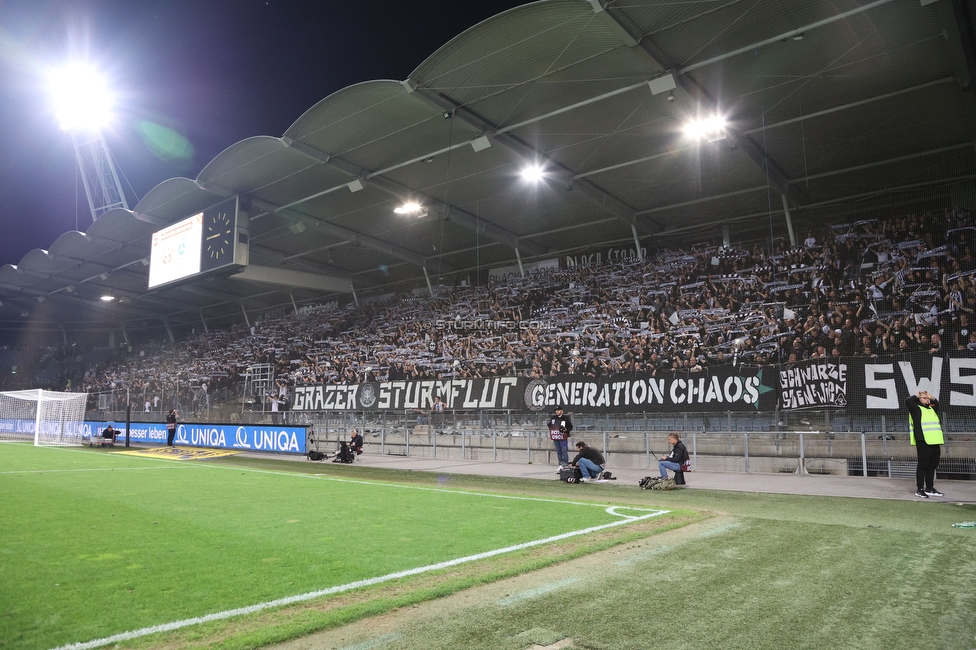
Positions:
{"x": 638, "y": 442}
{"x": 813, "y": 441}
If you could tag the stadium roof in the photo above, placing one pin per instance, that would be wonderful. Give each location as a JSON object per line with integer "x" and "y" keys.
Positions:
{"x": 834, "y": 107}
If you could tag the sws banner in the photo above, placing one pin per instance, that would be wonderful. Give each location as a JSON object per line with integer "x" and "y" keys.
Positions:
{"x": 884, "y": 385}
{"x": 289, "y": 440}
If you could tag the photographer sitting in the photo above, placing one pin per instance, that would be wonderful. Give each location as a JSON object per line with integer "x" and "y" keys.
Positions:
{"x": 589, "y": 461}
{"x": 674, "y": 460}
{"x": 356, "y": 442}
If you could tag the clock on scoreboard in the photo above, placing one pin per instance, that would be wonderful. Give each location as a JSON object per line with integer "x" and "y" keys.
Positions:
{"x": 206, "y": 242}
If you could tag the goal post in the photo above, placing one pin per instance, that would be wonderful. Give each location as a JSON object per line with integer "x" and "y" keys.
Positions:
{"x": 46, "y": 417}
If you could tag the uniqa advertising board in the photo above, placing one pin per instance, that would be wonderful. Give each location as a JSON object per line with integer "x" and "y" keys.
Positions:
{"x": 281, "y": 439}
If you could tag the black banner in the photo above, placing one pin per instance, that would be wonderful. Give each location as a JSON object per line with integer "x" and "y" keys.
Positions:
{"x": 863, "y": 386}
{"x": 457, "y": 394}
{"x": 883, "y": 385}
{"x": 724, "y": 388}
{"x": 814, "y": 383}
{"x": 717, "y": 389}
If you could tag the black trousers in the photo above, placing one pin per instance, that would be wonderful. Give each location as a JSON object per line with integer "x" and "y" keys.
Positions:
{"x": 928, "y": 460}
{"x": 170, "y": 434}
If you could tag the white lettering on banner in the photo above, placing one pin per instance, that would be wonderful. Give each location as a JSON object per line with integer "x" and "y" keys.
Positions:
{"x": 201, "y": 436}
{"x": 957, "y": 398}
{"x": 931, "y": 384}
{"x": 871, "y": 382}
{"x": 271, "y": 440}
{"x": 240, "y": 438}
{"x": 816, "y": 384}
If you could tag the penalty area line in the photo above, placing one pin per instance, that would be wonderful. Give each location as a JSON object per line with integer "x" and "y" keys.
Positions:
{"x": 290, "y": 600}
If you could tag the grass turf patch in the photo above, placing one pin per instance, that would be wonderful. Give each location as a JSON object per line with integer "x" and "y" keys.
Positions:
{"x": 97, "y": 543}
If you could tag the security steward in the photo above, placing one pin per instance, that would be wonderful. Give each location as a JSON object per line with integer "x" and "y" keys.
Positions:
{"x": 926, "y": 435}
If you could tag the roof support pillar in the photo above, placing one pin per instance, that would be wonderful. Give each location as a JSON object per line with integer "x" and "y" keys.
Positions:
{"x": 430, "y": 287}
{"x": 355, "y": 300}
{"x": 518, "y": 256}
{"x": 293, "y": 305}
{"x": 203, "y": 320}
{"x": 637, "y": 246}
{"x": 169, "y": 330}
{"x": 789, "y": 220}
{"x": 246, "y": 320}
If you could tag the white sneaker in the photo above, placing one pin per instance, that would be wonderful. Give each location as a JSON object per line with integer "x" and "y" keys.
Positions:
{"x": 585, "y": 480}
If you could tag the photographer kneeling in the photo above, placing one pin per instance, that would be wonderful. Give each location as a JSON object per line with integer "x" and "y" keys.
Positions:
{"x": 589, "y": 461}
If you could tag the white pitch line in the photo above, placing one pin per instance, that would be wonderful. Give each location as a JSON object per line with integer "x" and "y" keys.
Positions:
{"x": 90, "y": 469}
{"x": 240, "y": 611}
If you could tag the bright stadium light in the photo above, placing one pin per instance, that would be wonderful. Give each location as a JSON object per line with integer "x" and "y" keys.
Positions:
{"x": 107, "y": 298}
{"x": 407, "y": 208}
{"x": 411, "y": 207}
{"x": 533, "y": 173}
{"x": 80, "y": 97}
{"x": 710, "y": 128}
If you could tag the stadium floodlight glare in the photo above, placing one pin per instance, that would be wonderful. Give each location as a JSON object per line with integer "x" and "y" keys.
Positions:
{"x": 107, "y": 298}
{"x": 710, "y": 128}
{"x": 411, "y": 208}
{"x": 80, "y": 97}
{"x": 533, "y": 173}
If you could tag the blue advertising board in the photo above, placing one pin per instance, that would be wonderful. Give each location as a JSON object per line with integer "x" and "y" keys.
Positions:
{"x": 270, "y": 438}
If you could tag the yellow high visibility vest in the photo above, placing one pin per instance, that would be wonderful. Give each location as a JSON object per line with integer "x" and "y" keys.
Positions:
{"x": 931, "y": 427}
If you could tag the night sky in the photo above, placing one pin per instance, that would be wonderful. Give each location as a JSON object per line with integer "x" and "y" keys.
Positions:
{"x": 193, "y": 77}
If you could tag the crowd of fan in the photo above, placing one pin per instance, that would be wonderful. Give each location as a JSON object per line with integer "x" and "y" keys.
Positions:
{"x": 869, "y": 288}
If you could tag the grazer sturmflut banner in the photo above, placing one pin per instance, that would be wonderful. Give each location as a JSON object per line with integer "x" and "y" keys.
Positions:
{"x": 814, "y": 383}
{"x": 457, "y": 394}
{"x": 718, "y": 389}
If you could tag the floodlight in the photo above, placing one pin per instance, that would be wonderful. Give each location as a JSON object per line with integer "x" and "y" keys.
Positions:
{"x": 709, "y": 128}
{"x": 107, "y": 298}
{"x": 533, "y": 174}
{"x": 80, "y": 97}
{"x": 408, "y": 208}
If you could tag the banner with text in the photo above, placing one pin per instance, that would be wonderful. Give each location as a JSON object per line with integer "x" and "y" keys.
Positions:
{"x": 724, "y": 388}
{"x": 814, "y": 383}
{"x": 717, "y": 389}
{"x": 883, "y": 385}
{"x": 272, "y": 438}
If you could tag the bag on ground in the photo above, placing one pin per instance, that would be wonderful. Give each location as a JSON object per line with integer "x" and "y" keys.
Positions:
{"x": 656, "y": 483}
{"x": 570, "y": 474}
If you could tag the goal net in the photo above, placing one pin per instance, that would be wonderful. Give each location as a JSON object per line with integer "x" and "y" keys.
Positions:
{"x": 46, "y": 417}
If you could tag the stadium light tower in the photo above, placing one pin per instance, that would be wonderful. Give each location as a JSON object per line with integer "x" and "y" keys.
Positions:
{"x": 83, "y": 107}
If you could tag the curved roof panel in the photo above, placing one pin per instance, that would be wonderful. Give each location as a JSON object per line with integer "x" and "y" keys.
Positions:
{"x": 865, "y": 103}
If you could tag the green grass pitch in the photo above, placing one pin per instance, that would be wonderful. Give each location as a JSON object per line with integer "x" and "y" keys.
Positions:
{"x": 96, "y": 543}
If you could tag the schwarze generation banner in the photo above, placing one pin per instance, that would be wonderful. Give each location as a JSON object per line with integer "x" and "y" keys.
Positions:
{"x": 814, "y": 383}
{"x": 221, "y": 436}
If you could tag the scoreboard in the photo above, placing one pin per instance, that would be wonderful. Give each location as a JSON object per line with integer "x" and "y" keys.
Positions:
{"x": 208, "y": 241}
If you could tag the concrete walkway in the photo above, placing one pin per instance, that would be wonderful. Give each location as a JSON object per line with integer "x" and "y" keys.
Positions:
{"x": 821, "y": 485}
